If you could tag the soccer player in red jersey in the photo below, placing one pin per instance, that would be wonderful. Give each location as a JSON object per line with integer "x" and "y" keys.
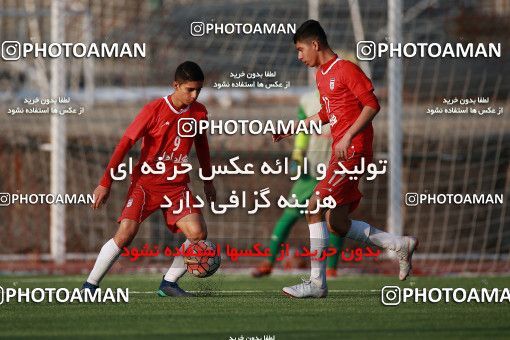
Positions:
{"x": 158, "y": 126}
{"x": 348, "y": 105}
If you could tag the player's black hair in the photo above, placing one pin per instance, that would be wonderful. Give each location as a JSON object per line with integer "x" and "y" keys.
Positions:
{"x": 311, "y": 30}
{"x": 188, "y": 71}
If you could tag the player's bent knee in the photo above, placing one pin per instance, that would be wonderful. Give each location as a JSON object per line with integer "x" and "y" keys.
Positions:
{"x": 338, "y": 220}
{"x": 197, "y": 235}
{"x": 202, "y": 235}
{"x": 196, "y": 232}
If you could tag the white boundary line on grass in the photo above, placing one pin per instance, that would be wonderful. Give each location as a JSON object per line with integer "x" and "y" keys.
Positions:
{"x": 264, "y": 291}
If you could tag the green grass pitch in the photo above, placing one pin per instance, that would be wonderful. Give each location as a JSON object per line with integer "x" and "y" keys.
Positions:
{"x": 231, "y": 306}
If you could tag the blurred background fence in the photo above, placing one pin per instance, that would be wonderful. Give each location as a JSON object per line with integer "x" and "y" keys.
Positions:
{"x": 441, "y": 154}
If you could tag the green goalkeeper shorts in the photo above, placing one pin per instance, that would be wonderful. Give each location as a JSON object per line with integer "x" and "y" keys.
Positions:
{"x": 303, "y": 188}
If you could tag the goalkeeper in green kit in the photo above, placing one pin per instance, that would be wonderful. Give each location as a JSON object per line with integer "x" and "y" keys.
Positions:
{"x": 316, "y": 149}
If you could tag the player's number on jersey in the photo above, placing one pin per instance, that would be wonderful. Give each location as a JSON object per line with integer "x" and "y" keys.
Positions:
{"x": 177, "y": 142}
{"x": 332, "y": 118}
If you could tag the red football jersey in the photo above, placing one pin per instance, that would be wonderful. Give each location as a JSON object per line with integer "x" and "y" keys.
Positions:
{"x": 343, "y": 86}
{"x": 157, "y": 123}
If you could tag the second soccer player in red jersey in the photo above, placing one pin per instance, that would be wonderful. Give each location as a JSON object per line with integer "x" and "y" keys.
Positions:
{"x": 158, "y": 126}
{"x": 348, "y": 105}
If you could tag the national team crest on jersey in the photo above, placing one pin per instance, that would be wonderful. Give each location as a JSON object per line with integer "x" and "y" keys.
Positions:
{"x": 332, "y": 84}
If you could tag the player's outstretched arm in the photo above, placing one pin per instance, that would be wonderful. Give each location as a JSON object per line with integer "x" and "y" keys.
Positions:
{"x": 136, "y": 130}
{"x": 279, "y": 137}
{"x": 359, "y": 84}
{"x": 102, "y": 191}
{"x": 209, "y": 191}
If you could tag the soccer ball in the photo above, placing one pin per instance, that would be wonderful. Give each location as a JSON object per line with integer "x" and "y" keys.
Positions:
{"x": 203, "y": 260}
